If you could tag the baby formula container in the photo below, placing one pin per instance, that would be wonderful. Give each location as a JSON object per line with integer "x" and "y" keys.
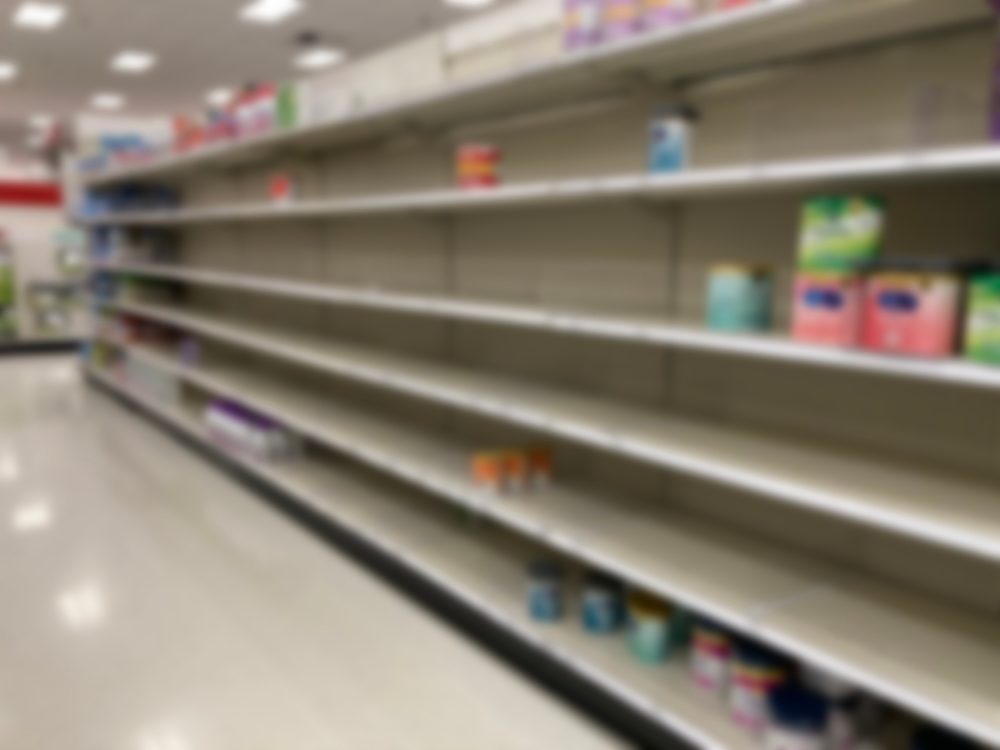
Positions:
{"x": 739, "y": 297}
{"x": 711, "y": 655}
{"x": 546, "y": 591}
{"x": 670, "y": 136}
{"x": 827, "y": 308}
{"x": 982, "y": 327}
{"x": 603, "y": 607}
{"x": 912, "y": 306}
{"x": 756, "y": 673}
{"x": 649, "y": 628}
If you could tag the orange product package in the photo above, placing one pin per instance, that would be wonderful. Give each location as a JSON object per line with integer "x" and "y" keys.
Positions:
{"x": 541, "y": 462}
{"x": 478, "y": 165}
{"x": 517, "y": 470}
{"x": 489, "y": 470}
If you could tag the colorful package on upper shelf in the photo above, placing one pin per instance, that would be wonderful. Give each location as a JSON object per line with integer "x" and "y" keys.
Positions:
{"x": 659, "y": 13}
{"x": 982, "y": 329}
{"x": 98, "y": 203}
{"x": 189, "y": 133}
{"x": 840, "y": 232}
{"x": 583, "y": 23}
{"x": 732, "y": 4}
{"x": 621, "y": 19}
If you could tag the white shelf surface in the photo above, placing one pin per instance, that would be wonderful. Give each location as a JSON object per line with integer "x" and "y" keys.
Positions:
{"x": 471, "y": 566}
{"x": 906, "y": 648}
{"x": 903, "y": 499}
{"x": 648, "y": 330}
{"x": 771, "y": 30}
{"x": 905, "y": 166}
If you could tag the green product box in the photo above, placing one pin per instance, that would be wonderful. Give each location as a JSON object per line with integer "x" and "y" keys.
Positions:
{"x": 982, "y": 335}
{"x": 288, "y": 106}
{"x": 839, "y": 232}
{"x": 7, "y": 287}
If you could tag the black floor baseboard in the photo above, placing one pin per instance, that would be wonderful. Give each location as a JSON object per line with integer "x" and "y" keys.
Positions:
{"x": 57, "y": 346}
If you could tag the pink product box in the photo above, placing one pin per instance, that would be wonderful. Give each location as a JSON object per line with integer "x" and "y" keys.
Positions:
{"x": 914, "y": 313}
{"x": 663, "y": 13}
{"x": 828, "y": 309}
{"x": 622, "y": 19}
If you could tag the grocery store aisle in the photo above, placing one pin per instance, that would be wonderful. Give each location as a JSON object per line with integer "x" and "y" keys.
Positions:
{"x": 151, "y": 604}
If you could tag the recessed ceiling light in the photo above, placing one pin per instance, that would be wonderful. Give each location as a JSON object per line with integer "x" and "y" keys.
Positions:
{"x": 8, "y": 70}
{"x": 317, "y": 58}
{"x": 84, "y": 607}
{"x": 39, "y": 16}
{"x": 133, "y": 61}
{"x": 270, "y": 11}
{"x": 220, "y": 97}
{"x": 468, "y": 4}
{"x": 34, "y": 516}
{"x": 108, "y": 101}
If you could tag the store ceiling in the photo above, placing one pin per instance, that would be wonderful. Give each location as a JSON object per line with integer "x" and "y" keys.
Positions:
{"x": 201, "y": 44}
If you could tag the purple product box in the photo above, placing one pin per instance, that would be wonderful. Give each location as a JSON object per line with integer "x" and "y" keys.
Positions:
{"x": 663, "y": 13}
{"x": 583, "y": 23}
{"x": 622, "y": 19}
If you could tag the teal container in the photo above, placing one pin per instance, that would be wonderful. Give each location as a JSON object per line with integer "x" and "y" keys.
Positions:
{"x": 651, "y": 633}
{"x": 740, "y": 298}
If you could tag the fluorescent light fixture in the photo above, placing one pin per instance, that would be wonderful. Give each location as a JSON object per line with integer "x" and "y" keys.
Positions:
{"x": 133, "y": 61}
{"x": 270, "y": 12}
{"x": 317, "y": 58}
{"x": 468, "y": 4}
{"x": 8, "y": 70}
{"x": 39, "y": 16}
{"x": 220, "y": 97}
{"x": 108, "y": 101}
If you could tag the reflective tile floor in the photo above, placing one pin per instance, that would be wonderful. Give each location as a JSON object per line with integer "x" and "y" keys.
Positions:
{"x": 147, "y": 602}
